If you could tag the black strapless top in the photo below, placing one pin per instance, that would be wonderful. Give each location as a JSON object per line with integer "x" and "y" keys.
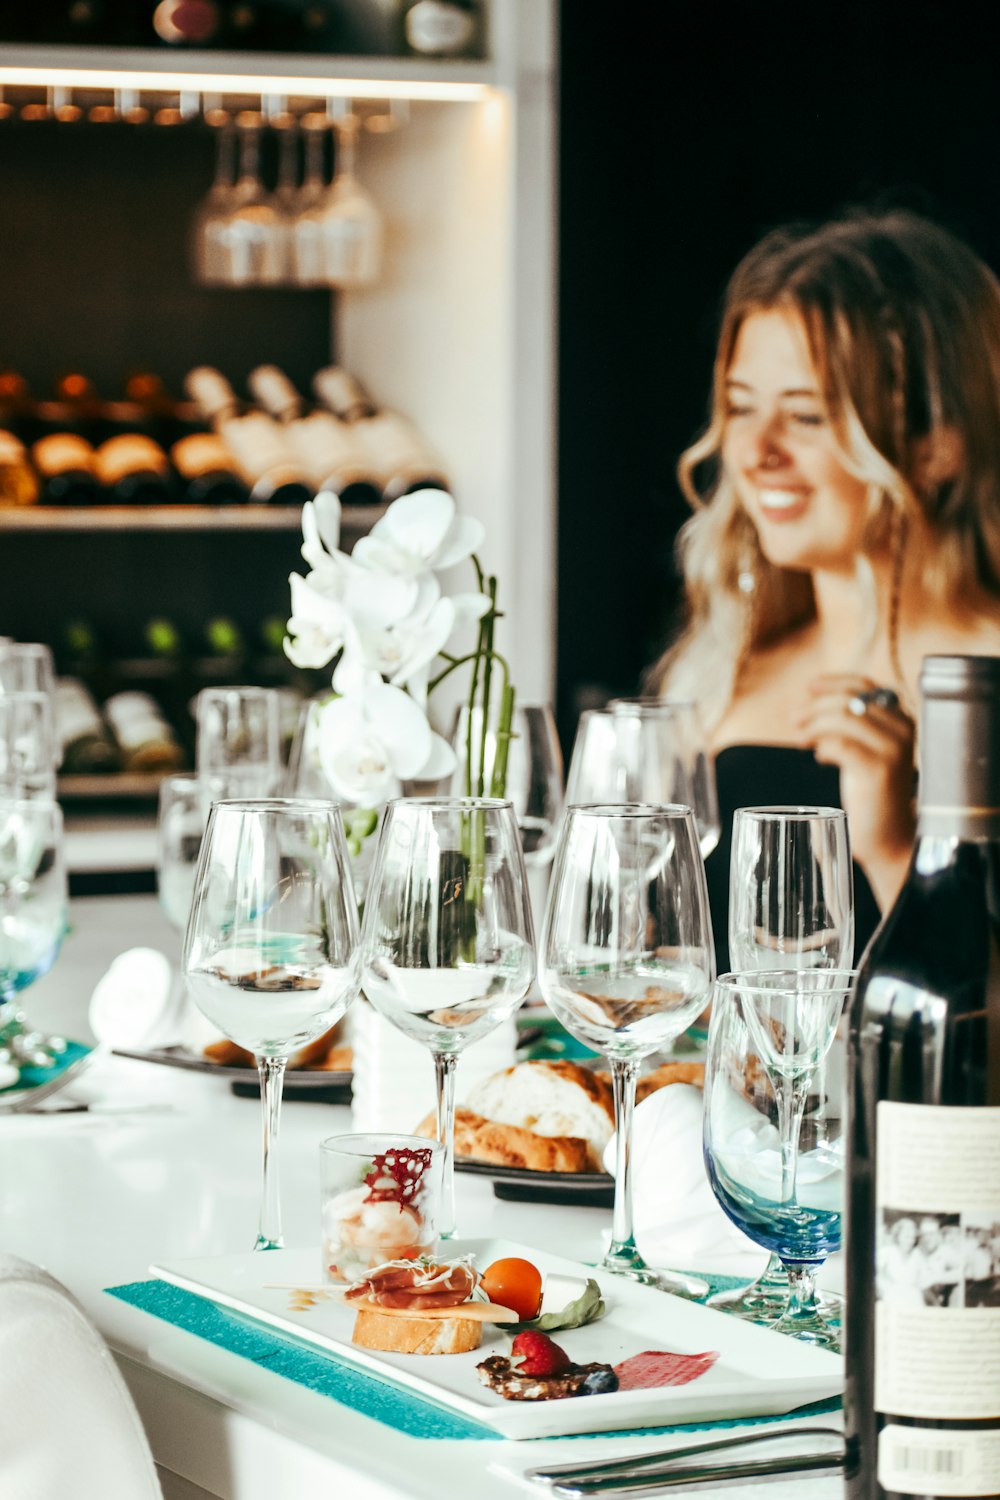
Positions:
{"x": 766, "y": 776}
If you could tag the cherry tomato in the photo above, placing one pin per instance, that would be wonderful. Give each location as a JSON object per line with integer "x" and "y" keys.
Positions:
{"x": 516, "y": 1284}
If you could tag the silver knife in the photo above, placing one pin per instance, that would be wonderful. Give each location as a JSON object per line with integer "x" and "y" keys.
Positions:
{"x": 639, "y": 1464}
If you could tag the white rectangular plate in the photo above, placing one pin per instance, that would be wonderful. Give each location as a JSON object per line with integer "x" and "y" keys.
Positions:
{"x": 757, "y": 1373}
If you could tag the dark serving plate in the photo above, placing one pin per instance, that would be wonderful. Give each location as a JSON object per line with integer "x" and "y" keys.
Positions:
{"x": 317, "y": 1085}
{"x": 582, "y": 1189}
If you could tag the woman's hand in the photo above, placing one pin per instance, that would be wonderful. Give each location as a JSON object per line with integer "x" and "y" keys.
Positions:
{"x": 875, "y": 752}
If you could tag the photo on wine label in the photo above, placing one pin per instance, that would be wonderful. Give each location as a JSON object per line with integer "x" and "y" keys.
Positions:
{"x": 919, "y": 1259}
{"x": 982, "y": 1260}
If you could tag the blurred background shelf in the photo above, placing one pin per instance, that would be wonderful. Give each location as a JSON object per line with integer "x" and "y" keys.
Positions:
{"x": 355, "y": 520}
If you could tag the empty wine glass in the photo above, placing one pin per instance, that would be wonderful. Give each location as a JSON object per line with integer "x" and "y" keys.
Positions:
{"x": 791, "y": 903}
{"x": 210, "y": 251}
{"x": 448, "y": 949}
{"x": 534, "y": 779}
{"x": 238, "y": 742}
{"x": 180, "y": 828}
{"x": 626, "y": 959}
{"x": 306, "y": 240}
{"x": 271, "y": 951}
{"x": 33, "y": 897}
{"x": 253, "y": 235}
{"x": 345, "y": 221}
{"x": 791, "y": 893}
{"x": 28, "y": 750}
{"x": 26, "y": 667}
{"x": 646, "y": 750}
{"x": 305, "y": 777}
{"x": 774, "y": 1120}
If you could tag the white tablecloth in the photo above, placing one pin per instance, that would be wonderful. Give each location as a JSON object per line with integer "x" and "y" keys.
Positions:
{"x": 96, "y": 1198}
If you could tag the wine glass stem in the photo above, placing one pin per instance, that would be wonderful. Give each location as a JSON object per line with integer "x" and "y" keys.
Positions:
{"x": 445, "y": 1064}
{"x": 802, "y": 1279}
{"x": 272, "y": 1078}
{"x": 624, "y": 1072}
{"x": 791, "y": 1100}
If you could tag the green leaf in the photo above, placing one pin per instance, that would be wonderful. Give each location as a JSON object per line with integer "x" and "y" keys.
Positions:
{"x": 586, "y": 1308}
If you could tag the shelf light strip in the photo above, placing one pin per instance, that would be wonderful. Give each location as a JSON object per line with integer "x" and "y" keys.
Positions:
{"x": 299, "y": 86}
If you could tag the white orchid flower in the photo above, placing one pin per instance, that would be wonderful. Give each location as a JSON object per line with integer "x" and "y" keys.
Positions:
{"x": 317, "y": 626}
{"x": 374, "y": 739}
{"x": 419, "y": 532}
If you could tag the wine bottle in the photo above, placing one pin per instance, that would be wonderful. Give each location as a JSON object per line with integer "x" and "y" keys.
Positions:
{"x": 145, "y": 739}
{"x": 18, "y": 482}
{"x": 133, "y": 470}
{"x": 67, "y": 470}
{"x": 79, "y": 408}
{"x": 324, "y": 445}
{"x": 922, "y": 1400}
{"x": 207, "y": 471}
{"x": 157, "y": 412}
{"x": 81, "y": 732}
{"x": 18, "y": 409}
{"x": 394, "y": 449}
{"x": 256, "y": 443}
{"x": 441, "y": 28}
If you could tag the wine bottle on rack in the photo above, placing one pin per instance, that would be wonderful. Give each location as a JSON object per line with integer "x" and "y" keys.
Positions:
{"x": 79, "y": 408}
{"x": 18, "y": 481}
{"x": 441, "y": 28}
{"x": 18, "y": 408}
{"x": 325, "y": 446}
{"x": 922, "y": 1401}
{"x": 146, "y": 741}
{"x": 133, "y": 470}
{"x": 225, "y": 651}
{"x": 393, "y": 447}
{"x": 256, "y": 443}
{"x": 86, "y": 745}
{"x": 67, "y": 470}
{"x": 157, "y": 412}
{"x": 207, "y": 471}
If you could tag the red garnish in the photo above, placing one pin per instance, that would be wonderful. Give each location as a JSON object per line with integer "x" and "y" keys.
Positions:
{"x": 534, "y": 1353}
{"x": 654, "y": 1367}
{"x": 394, "y": 1176}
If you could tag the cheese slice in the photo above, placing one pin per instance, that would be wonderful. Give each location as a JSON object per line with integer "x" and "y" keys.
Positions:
{"x": 481, "y": 1312}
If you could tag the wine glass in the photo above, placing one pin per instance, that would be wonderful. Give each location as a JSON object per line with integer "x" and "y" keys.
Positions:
{"x": 345, "y": 221}
{"x": 447, "y": 946}
{"x": 791, "y": 891}
{"x": 627, "y": 958}
{"x": 534, "y": 778}
{"x": 646, "y": 750}
{"x": 26, "y": 667}
{"x": 28, "y": 754}
{"x": 209, "y": 249}
{"x": 32, "y": 922}
{"x": 238, "y": 742}
{"x": 305, "y": 777}
{"x": 253, "y": 233}
{"x": 790, "y": 904}
{"x": 774, "y": 1123}
{"x": 271, "y": 952}
{"x": 306, "y": 235}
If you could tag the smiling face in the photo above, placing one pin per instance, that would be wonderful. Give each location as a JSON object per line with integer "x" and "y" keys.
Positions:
{"x": 779, "y": 450}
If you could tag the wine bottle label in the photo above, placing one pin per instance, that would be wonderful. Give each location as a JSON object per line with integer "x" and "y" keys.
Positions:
{"x": 201, "y": 453}
{"x": 63, "y": 453}
{"x": 258, "y": 445}
{"x": 76, "y": 713}
{"x": 395, "y": 450}
{"x": 136, "y": 719}
{"x": 937, "y": 1266}
{"x": 928, "y": 1461}
{"x": 327, "y": 450}
{"x": 132, "y": 453}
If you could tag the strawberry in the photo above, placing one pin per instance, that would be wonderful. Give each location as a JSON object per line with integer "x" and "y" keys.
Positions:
{"x": 534, "y": 1353}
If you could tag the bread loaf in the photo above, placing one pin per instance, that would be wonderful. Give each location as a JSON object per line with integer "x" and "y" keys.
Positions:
{"x": 375, "y": 1329}
{"x": 560, "y": 1100}
{"x": 479, "y": 1139}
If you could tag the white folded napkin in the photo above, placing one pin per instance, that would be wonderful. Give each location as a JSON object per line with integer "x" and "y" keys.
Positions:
{"x": 677, "y": 1221}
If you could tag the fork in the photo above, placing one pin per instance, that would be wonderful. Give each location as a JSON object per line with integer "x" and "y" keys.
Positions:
{"x": 26, "y": 1099}
{"x": 649, "y": 1470}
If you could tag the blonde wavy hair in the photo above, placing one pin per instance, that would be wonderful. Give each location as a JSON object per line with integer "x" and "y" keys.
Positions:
{"x": 903, "y": 327}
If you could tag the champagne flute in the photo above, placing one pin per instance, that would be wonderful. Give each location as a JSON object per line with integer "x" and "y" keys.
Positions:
{"x": 773, "y": 1125}
{"x": 627, "y": 958}
{"x": 271, "y": 953}
{"x": 447, "y": 946}
{"x": 791, "y": 905}
{"x": 27, "y": 746}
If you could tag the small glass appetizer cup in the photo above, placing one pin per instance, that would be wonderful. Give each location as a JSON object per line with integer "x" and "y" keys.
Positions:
{"x": 380, "y": 1200}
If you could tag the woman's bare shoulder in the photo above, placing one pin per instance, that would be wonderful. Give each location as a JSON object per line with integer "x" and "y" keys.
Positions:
{"x": 973, "y": 634}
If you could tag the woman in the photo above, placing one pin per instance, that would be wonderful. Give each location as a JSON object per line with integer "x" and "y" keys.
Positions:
{"x": 847, "y": 523}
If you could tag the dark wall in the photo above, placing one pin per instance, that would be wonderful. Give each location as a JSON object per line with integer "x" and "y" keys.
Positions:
{"x": 684, "y": 137}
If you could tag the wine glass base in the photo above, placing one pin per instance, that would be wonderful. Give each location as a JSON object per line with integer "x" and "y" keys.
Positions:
{"x": 755, "y": 1304}
{"x": 628, "y": 1262}
{"x": 810, "y": 1329}
{"x": 263, "y": 1243}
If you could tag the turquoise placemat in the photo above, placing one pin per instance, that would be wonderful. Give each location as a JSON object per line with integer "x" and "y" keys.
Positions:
{"x": 31, "y": 1077}
{"x": 330, "y": 1376}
